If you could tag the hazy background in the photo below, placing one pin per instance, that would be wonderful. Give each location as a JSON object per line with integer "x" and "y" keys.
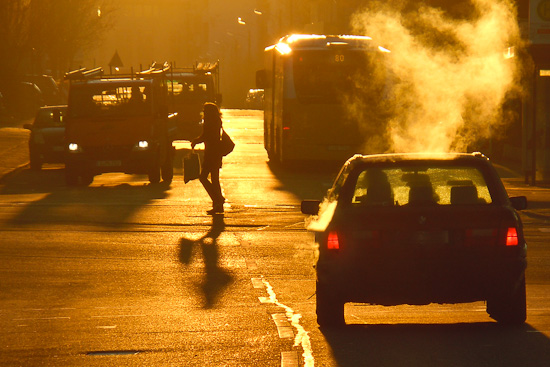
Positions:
{"x": 452, "y": 73}
{"x": 54, "y": 36}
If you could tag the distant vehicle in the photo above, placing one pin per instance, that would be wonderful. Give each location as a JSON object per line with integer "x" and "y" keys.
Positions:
{"x": 22, "y": 99}
{"x": 255, "y": 99}
{"x": 418, "y": 229}
{"x": 51, "y": 94}
{"x": 24, "y": 95}
{"x": 118, "y": 124}
{"x": 309, "y": 80}
{"x": 189, "y": 89}
{"x": 47, "y": 138}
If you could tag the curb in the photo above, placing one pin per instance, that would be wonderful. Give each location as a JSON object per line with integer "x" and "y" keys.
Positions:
{"x": 6, "y": 175}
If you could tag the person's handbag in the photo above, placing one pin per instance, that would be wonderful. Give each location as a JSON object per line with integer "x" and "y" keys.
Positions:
{"x": 226, "y": 144}
{"x": 191, "y": 167}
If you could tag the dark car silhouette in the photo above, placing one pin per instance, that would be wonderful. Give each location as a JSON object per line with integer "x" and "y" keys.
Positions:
{"x": 47, "y": 138}
{"x": 419, "y": 229}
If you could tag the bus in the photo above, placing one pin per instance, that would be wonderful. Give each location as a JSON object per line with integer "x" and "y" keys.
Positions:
{"x": 324, "y": 97}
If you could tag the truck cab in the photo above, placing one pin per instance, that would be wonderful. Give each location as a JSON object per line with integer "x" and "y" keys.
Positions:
{"x": 118, "y": 124}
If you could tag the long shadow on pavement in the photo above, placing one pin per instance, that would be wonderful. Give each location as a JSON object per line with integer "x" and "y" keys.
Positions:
{"x": 423, "y": 345}
{"x": 216, "y": 278}
{"x": 104, "y": 205}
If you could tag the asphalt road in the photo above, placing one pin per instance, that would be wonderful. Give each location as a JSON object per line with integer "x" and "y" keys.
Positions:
{"x": 123, "y": 273}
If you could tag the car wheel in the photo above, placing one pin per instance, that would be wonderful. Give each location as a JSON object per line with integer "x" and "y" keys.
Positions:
{"x": 35, "y": 162}
{"x": 71, "y": 177}
{"x": 154, "y": 175}
{"x": 329, "y": 308}
{"x": 510, "y": 309}
{"x": 87, "y": 179}
{"x": 167, "y": 170}
{"x": 36, "y": 165}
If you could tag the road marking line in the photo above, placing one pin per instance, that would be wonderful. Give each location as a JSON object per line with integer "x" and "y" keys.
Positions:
{"x": 302, "y": 337}
{"x": 257, "y": 283}
{"x": 265, "y": 300}
{"x": 285, "y": 332}
{"x": 289, "y": 359}
{"x": 283, "y": 326}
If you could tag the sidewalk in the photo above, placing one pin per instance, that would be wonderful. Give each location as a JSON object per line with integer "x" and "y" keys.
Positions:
{"x": 14, "y": 148}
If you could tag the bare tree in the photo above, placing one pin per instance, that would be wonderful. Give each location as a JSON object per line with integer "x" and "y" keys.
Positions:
{"x": 40, "y": 35}
{"x": 14, "y": 32}
{"x": 62, "y": 30}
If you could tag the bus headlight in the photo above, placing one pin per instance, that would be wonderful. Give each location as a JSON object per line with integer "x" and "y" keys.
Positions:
{"x": 74, "y": 148}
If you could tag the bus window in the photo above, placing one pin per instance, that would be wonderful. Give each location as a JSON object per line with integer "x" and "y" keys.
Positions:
{"x": 329, "y": 76}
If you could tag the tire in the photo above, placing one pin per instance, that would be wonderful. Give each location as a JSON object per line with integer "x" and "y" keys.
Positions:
{"x": 36, "y": 165}
{"x": 511, "y": 308}
{"x": 154, "y": 174}
{"x": 167, "y": 169}
{"x": 329, "y": 308}
{"x": 35, "y": 162}
{"x": 86, "y": 180}
{"x": 71, "y": 177}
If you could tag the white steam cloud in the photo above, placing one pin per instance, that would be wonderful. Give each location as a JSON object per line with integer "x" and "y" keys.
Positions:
{"x": 451, "y": 74}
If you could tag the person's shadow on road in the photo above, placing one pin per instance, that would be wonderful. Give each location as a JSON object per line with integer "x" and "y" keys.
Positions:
{"x": 216, "y": 278}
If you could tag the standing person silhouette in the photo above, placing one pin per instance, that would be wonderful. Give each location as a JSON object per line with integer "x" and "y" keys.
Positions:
{"x": 212, "y": 163}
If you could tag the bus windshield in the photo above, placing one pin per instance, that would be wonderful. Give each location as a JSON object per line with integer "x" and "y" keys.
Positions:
{"x": 102, "y": 100}
{"x": 330, "y": 75}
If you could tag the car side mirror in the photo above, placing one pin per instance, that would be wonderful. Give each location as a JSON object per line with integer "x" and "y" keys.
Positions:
{"x": 519, "y": 202}
{"x": 310, "y": 207}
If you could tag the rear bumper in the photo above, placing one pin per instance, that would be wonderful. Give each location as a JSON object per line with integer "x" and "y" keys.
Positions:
{"x": 452, "y": 278}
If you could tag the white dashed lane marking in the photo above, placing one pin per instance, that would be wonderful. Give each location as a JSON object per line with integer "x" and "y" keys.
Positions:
{"x": 286, "y": 323}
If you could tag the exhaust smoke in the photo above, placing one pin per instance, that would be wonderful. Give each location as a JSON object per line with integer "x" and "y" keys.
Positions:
{"x": 449, "y": 75}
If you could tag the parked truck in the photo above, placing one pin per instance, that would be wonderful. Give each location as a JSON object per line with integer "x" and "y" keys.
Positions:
{"x": 189, "y": 89}
{"x": 118, "y": 124}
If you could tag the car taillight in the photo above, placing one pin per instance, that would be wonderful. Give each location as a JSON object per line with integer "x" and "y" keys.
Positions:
{"x": 512, "y": 237}
{"x": 332, "y": 241}
{"x": 482, "y": 237}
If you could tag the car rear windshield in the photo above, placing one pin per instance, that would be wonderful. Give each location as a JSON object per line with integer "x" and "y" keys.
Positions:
{"x": 50, "y": 118}
{"x": 421, "y": 185}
